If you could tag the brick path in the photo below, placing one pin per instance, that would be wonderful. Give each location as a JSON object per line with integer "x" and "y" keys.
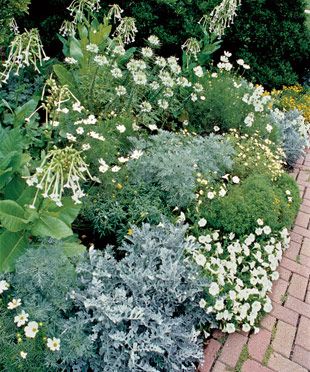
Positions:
{"x": 283, "y": 343}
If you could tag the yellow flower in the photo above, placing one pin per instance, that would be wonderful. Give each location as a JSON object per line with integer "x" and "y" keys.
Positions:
{"x": 129, "y": 232}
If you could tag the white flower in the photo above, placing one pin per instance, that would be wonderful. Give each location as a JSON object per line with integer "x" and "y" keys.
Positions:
{"x": 139, "y": 78}
{"x": 246, "y": 67}
{"x": 163, "y": 104}
{"x": 71, "y": 61}
{"x": 70, "y": 137}
{"x": 235, "y": 179}
{"x": 246, "y": 327}
{"x": 230, "y": 328}
{"x": 93, "y": 48}
{"x": 21, "y": 319}
{"x": 267, "y": 230}
{"x": 227, "y": 54}
{"x": 23, "y": 354}
{"x": 121, "y": 128}
{"x": 153, "y": 40}
{"x": 146, "y": 107}
{"x": 31, "y": 329}
{"x": 202, "y": 303}
{"x": 200, "y": 259}
{"x": 153, "y": 127}
{"x": 4, "y": 286}
{"x": 136, "y": 154}
{"x": 103, "y": 166}
{"x": 14, "y": 303}
{"x": 269, "y": 128}
{"x": 120, "y": 90}
{"x": 53, "y": 344}
{"x": 222, "y": 192}
{"x": 214, "y": 75}
{"x": 77, "y": 107}
{"x": 122, "y": 159}
{"x": 249, "y": 119}
{"x": 210, "y": 195}
{"x": 101, "y": 60}
{"x": 86, "y": 146}
{"x": 260, "y": 222}
{"x": 147, "y": 52}
{"x": 198, "y": 71}
{"x": 80, "y": 130}
{"x": 202, "y": 222}
{"x": 216, "y": 128}
{"x": 214, "y": 289}
{"x": 115, "y": 169}
{"x": 268, "y": 307}
{"x": 116, "y": 72}
{"x": 240, "y": 62}
{"x": 219, "y": 305}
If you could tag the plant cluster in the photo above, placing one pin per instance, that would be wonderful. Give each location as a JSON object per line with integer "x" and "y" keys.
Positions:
{"x": 180, "y": 167}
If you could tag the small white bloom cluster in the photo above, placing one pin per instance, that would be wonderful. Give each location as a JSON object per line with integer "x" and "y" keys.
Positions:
{"x": 257, "y": 98}
{"x": 221, "y": 17}
{"x": 21, "y": 319}
{"x": 126, "y": 30}
{"x": 241, "y": 273}
{"x": 225, "y": 64}
{"x": 26, "y": 49}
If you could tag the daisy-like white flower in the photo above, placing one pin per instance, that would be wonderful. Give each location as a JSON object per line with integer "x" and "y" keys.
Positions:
{"x": 21, "y": 319}
{"x": 31, "y": 329}
{"x": 103, "y": 166}
{"x": 14, "y": 303}
{"x": 4, "y": 286}
{"x": 136, "y": 154}
{"x": 121, "y": 128}
{"x": 115, "y": 169}
{"x": 53, "y": 344}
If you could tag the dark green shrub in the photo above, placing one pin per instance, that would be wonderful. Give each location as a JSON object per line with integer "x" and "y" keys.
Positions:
{"x": 256, "y": 197}
{"x": 277, "y": 53}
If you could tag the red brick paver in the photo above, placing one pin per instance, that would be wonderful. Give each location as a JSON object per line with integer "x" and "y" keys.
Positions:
{"x": 283, "y": 343}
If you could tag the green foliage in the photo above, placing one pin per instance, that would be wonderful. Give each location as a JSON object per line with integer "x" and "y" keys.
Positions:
{"x": 171, "y": 163}
{"x": 277, "y": 53}
{"x": 225, "y": 106}
{"x": 112, "y": 214}
{"x": 256, "y": 197}
{"x": 10, "y": 9}
{"x": 148, "y": 309}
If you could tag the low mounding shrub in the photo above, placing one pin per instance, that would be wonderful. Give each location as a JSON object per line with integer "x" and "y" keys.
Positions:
{"x": 294, "y": 132}
{"x": 171, "y": 162}
{"x": 254, "y": 197}
{"x": 231, "y": 103}
{"x": 143, "y": 310}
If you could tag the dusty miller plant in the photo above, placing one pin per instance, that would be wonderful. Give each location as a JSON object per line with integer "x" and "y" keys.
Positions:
{"x": 171, "y": 161}
{"x": 144, "y": 308}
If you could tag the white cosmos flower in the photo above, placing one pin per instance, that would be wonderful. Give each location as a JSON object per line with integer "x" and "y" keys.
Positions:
{"x": 121, "y": 128}
{"x": 21, "y": 319}
{"x": 31, "y": 329}
{"x": 53, "y": 344}
{"x": 14, "y": 303}
{"x": 136, "y": 154}
{"x": 115, "y": 169}
{"x": 103, "y": 166}
{"x": 202, "y": 222}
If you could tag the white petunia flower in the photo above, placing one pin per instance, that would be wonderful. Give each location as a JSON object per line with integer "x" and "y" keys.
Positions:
{"x": 214, "y": 289}
{"x": 267, "y": 230}
{"x": 202, "y": 222}
{"x": 202, "y": 303}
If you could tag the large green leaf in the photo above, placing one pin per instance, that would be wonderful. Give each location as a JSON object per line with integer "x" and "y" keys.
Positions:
{"x": 12, "y": 216}
{"x": 75, "y": 49}
{"x": 11, "y": 140}
{"x": 66, "y": 78}
{"x": 12, "y": 245}
{"x": 23, "y": 112}
{"x": 72, "y": 249}
{"x": 51, "y": 226}
{"x": 67, "y": 212}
